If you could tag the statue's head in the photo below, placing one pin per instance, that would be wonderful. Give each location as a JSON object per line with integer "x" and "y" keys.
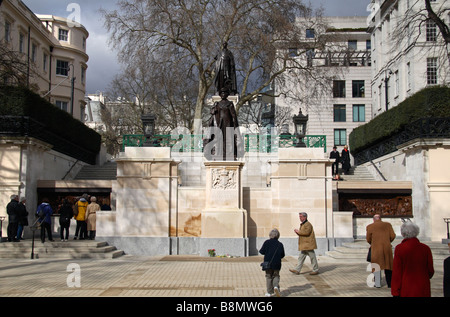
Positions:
{"x": 224, "y": 92}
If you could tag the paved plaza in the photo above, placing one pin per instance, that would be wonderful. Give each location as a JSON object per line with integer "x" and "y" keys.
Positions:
{"x": 185, "y": 276}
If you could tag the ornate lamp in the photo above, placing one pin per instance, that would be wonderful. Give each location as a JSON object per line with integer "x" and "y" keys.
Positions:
{"x": 148, "y": 123}
{"x": 300, "y": 121}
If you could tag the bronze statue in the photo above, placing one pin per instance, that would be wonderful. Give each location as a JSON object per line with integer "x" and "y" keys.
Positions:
{"x": 224, "y": 124}
{"x": 225, "y": 71}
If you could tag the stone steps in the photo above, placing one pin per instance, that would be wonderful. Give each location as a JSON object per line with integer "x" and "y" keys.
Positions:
{"x": 78, "y": 249}
{"x": 107, "y": 171}
{"x": 358, "y": 173}
{"x": 356, "y": 252}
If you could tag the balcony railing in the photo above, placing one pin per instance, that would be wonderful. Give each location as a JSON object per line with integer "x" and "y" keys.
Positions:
{"x": 262, "y": 143}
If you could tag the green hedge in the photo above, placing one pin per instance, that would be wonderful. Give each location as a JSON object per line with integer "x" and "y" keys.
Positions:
{"x": 19, "y": 101}
{"x": 427, "y": 103}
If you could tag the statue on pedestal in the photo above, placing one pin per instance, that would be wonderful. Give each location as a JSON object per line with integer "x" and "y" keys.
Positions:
{"x": 223, "y": 130}
{"x": 225, "y": 71}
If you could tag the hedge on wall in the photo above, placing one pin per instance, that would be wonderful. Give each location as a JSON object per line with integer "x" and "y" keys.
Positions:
{"x": 20, "y": 101}
{"x": 427, "y": 103}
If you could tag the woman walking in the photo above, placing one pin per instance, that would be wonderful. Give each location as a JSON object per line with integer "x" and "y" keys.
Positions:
{"x": 273, "y": 252}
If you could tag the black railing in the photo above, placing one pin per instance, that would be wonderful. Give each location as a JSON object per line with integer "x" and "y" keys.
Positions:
{"x": 22, "y": 126}
{"x": 425, "y": 128}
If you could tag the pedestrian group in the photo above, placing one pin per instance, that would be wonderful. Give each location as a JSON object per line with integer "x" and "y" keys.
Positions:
{"x": 408, "y": 271}
{"x": 82, "y": 211}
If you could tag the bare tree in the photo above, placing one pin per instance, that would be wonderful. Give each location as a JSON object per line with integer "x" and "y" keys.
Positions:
{"x": 414, "y": 22}
{"x": 259, "y": 32}
{"x": 15, "y": 70}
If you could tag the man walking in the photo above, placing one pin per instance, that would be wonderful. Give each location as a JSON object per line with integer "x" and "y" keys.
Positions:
{"x": 379, "y": 235}
{"x": 306, "y": 245}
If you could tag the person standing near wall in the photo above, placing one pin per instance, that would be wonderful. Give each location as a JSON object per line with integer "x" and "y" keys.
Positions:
{"x": 91, "y": 218}
{"x": 12, "y": 209}
{"x": 80, "y": 216}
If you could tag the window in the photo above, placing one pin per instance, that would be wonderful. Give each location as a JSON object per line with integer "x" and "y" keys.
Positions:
{"x": 21, "y": 42}
{"x": 338, "y": 88}
{"x": 293, "y": 52}
{"x": 431, "y": 31}
{"x": 359, "y": 113}
{"x": 339, "y": 113}
{"x": 352, "y": 45}
{"x": 45, "y": 61}
{"x": 62, "y": 68}
{"x": 310, "y": 34}
{"x": 7, "y": 31}
{"x": 309, "y": 57}
{"x": 358, "y": 89}
{"x": 63, "y": 35}
{"x": 63, "y": 105}
{"x": 33, "y": 52}
{"x": 397, "y": 84}
{"x": 83, "y": 75}
{"x": 368, "y": 45}
{"x": 408, "y": 76}
{"x": 431, "y": 71}
{"x": 340, "y": 137}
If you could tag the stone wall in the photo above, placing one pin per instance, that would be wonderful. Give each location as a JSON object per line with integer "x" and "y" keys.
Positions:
{"x": 155, "y": 215}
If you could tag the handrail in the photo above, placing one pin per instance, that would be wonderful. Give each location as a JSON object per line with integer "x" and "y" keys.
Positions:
{"x": 263, "y": 143}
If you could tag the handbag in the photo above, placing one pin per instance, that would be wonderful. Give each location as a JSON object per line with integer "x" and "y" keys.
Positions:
{"x": 266, "y": 265}
{"x": 369, "y": 255}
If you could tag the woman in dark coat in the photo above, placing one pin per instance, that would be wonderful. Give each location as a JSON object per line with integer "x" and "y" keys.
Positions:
{"x": 273, "y": 252}
{"x": 23, "y": 217}
{"x": 345, "y": 159}
{"x": 65, "y": 214}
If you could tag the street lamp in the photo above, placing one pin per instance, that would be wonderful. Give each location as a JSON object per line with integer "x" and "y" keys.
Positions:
{"x": 148, "y": 123}
{"x": 300, "y": 121}
{"x": 1, "y": 225}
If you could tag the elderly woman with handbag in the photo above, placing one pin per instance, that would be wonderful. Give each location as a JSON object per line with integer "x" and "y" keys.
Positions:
{"x": 273, "y": 252}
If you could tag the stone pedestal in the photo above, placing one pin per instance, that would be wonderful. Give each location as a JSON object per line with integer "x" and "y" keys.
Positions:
{"x": 224, "y": 220}
{"x": 224, "y": 216}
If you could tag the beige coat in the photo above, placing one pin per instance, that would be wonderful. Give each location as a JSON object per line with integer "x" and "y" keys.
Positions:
{"x": 380, "y": 235}
{"x": 91, "y": 217}
{"x": 306, "y": 237}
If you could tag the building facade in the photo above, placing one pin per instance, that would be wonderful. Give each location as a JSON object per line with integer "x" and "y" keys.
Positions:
{"x": 53, "y": 50}
{"x": 341, "y": 100}
{"x": 408, "y": 50}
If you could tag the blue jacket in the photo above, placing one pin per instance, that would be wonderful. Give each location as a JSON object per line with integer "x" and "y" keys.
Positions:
{"x": 48, "y": 211}
{"x": 273, "y": 248}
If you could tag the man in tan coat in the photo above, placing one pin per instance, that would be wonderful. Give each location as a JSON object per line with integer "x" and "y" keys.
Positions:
{"x": 379, "y": 235}
{"x": 306, "y": 245}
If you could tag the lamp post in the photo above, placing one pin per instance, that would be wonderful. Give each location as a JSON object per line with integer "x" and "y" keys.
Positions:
{"x": 1, "y": 225}
{"x": 386, "y": 88}
{"x": 300, "y": 121}
{"x": 447, "y": 221}
{"x": 148, "y": 123}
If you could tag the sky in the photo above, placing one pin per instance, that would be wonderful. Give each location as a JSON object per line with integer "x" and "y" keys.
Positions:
{"x": 103, "y": 65}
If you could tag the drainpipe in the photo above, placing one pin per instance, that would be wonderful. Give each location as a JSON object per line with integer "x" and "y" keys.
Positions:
{"x": 28, "y": 57}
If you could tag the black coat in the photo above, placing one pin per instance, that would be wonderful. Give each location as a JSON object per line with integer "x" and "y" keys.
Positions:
{"x": 65, "y": 214}
{"x": 335, "y": 155}
{"x": 13, "y": 211}
{"x": 273, "y": 248}
{"x": 23, "y": 214}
